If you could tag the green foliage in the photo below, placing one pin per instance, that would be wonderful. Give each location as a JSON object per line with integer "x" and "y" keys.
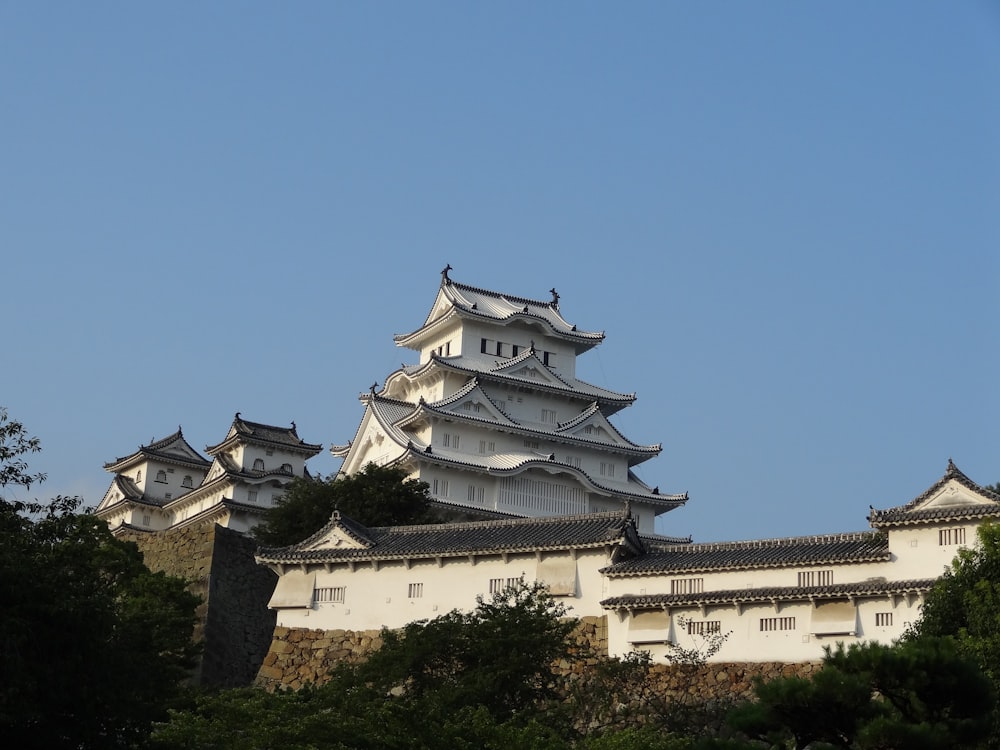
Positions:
{"x": 463, "y": 680}
{"x": 375, "y": 496}
{"x": 703, "y": 646}
{"x": 965, "y": 604}
{"x": 638, "y": 738}
{"x": 15, "y": 444}
{"x": 497, "y": 656}
{"x": 93, "y": 645}
{"x": 919, "y": 694}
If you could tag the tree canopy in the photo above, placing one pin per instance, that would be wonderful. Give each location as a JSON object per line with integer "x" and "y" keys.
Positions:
{"x": 15, "y": 444}
{"x": 965, "y": 604}
{"x": 480, "y": 679}
{"x": 870, "y": 696}
{"x": 93, "y": 646}
{"x": 375, "y": 496}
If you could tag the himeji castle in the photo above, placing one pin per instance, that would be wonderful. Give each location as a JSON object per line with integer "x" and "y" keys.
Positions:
{"x": 168, "y": 484}
{"x": 495, "y": 420}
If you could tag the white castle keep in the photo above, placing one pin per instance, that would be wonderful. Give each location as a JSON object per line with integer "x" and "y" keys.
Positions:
{"x": 495, "y": 420}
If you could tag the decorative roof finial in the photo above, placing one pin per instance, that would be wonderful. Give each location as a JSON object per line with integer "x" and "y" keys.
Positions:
{"x": 555, "y": 297}
{"x": 373, "y": 387}
{"x": 532, "y": 346}
{"x": 444, "y": 274}
{"x": 293, "y": 425}
{"x": 237, "y": 416}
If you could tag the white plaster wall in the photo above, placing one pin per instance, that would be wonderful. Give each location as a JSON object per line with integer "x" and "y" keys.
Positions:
{"x": 273, "y": 462}
{"x": 450, "y": 336}
{"x": 377, "y": 598}
{"x": 746, "y": 642}
{"x": 754, "y": 578}
{"x": 918, "y": 552}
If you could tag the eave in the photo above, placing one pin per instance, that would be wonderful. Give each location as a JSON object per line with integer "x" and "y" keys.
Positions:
{"x": 859, "y": 590}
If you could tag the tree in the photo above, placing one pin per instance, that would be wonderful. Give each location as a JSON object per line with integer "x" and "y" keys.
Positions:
{"x": 14, "y": 446}
{"x": 918, "y": 694}
{"x": 93, "y": 646}
{"x": 965, "y": 604}
{"x": 481, "y": 679}
{"x": 375, "y": 496}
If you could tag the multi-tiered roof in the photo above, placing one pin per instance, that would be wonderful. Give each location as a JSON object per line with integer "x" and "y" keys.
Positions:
{"x": 494, "y": 417}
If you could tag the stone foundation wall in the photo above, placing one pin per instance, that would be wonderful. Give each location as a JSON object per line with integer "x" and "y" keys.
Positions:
{"x": 298, "y": 657}
{"x": 234, "y": 624}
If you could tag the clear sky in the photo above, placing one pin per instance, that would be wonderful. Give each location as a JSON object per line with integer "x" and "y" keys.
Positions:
{"x": 784, "y": 215}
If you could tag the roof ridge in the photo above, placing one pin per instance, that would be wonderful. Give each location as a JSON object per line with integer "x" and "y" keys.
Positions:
{"x": 505, "y": 522}
{"x": 845, "y": 536}
{"x": 501, "y": 295}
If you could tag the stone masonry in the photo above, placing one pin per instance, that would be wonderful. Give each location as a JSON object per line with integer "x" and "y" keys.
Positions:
{"x": 298, "y": 657}
{"x": 234, "y": 625}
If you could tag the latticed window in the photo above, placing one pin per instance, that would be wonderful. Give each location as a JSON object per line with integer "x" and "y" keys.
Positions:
{"x": 704, "y": 627}
{"x": 415, "y": 590}
{"x": 816, "y": 578}
{"x": 258, "y": 464}
{"x": 522, "y": 494}
{"x": 770, "y": 624}
{"x": 687, "y": 585}
{"x": 499, "y": 584}
{"x": 951, "y": 536}
{"x": 330, "y": 595}
{"x": 883, "y": 619}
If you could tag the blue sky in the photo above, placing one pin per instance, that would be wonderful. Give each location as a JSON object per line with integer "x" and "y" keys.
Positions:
{"x": 784, "y": 215}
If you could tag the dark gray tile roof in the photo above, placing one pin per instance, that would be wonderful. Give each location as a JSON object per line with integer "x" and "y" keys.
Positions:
{"x": 159, "y": 449}
{"x": 559, "y": 433}
{"x": 130, "y": 494}
{"x": 497, "y": 306}
{"x": 863, "y": 546}
{"x": 495, "y": 369}
{"x": 474, "y": 537}
{"x": 912, "y": 513}
{"x": 870, "y": 588}
{"x": 246, "y": 431}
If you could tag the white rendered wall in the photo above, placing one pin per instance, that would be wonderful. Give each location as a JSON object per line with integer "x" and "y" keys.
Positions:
{"x": 748, "y": 642}
{"x": 380, "y": 598}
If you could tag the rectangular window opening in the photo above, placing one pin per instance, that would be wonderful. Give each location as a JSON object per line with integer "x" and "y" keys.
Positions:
{"x": 330, "y": 595}
{"x": 687, "y": 585}
{"x": 770, "y": 624}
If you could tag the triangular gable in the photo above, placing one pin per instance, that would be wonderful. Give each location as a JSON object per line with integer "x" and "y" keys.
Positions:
{"x": 953, "y": 496}
{"x": 377, "y": 438}
{"x": 471, "y": 401}
{"x": 441, "y": 307}
{"x": 597, "y": 428}
{"x": 529, "y": 367}
{"x": 335, "y": 537}
{"x": 180, "y": 448}
{"x": 339, "y": 533}
{"x": 217, "y": 470}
